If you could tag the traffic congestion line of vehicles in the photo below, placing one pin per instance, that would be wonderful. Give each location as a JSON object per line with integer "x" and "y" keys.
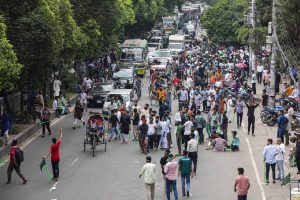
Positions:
{"x": 137, "y": 55}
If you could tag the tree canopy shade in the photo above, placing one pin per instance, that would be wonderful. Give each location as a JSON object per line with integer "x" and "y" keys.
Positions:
{"x": 9, "y": 66}
{"x": 223, "y": 19}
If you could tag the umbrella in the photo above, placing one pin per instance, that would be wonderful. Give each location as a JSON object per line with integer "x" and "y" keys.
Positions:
{"x": 241, "y": 65}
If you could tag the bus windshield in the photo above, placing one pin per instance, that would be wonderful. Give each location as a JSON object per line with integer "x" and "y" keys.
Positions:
{"x": 132, "y": 54}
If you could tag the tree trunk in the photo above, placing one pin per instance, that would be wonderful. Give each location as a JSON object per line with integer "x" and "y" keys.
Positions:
{"x": 6, "y": 103}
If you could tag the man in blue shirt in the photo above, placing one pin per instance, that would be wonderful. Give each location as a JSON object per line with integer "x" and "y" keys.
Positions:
{"x": 269, "y": 158}
{"x": 282, "y": 122}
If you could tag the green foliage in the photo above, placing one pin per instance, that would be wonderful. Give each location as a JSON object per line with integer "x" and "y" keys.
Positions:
{"x": 242, "y": 35}
{"x": 223, "y": 19}
{"x": 9, "y": 66}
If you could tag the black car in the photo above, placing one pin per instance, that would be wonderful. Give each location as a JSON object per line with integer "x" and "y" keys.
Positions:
{"x": 98, "y": 94}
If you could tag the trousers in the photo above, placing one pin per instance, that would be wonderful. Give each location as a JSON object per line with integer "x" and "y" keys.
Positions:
{"x": 150, "y": 191}
{"x": 11, "y": 167}
{"x": 55, "y": 168}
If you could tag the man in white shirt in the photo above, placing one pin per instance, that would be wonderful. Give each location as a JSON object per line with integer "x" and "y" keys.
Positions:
{"x": 165, "y": 133}
{"x": 295, "y": 93}
{"x": 253, "y": 81}
{"x": 269, "y": 157}
{"x": 149, "y": 171}
{"x": 88, "y": 84}
{"x": 187, "y": 131}
{"x": 260, "y": 69}
{"x": 280, "y": 159}
{"x": 192, "y": 149}
{"x": 150, "y": 133}
{"x": 83, "y": 99}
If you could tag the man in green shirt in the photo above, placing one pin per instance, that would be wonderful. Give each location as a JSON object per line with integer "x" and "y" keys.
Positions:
{"x": 185, "y": 168}
{"x": 179, "y": 130}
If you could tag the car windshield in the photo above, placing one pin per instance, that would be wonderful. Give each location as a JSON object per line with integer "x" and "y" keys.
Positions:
{"x": 123, "y": 74}
{"x": 152, "y": 45}
{"x": 100, "y": 88}
{"x": 175, "y": 46}
{"x": 126, "y": 98}
{"x": 162, "y": 54}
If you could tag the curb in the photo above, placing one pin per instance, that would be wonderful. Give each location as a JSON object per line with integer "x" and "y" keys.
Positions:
{"x": 28, "y": 132}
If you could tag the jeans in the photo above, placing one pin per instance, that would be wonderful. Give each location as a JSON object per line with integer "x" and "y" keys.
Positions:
{"x": 194, "y": 157}
{"x": 151, "y": 139}
{"x": 55, "y": 168}
{"x": 251, "y": 122}
{"x": 150, "y": 190}
{"x": 113, "y": 130}
{"x": 11, "y": 167}
{"x": 259, "y": 77}
{"x": 268, "y": 170}
{"x": 280, "y": 169}
{"x": 201, "y": 136}
{"x": 254, "y": 88}
{"x": 239, "y": 119}
{"x": 185, "y": 181}
{"x": 171, "y": 184}
{"x": 186, "y": 139}
{"x": 242, "y": 197}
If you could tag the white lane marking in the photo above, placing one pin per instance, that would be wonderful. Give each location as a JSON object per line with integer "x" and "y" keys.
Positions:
{"x": 74, "y": 161}
{"x": 263, "y": 195}
{"x": 243, "y": 126}
{"x": 53, "y": 187}
{"x": 31, "y": 139}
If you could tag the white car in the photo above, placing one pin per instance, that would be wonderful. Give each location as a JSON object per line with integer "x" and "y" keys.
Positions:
{"x": 125, "y": 97}
{"x": 163, "y": 54}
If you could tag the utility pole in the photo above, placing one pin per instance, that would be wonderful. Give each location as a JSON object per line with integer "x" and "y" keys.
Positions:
{"x": 273, "y": 56}
{"x": 252, "y": 56}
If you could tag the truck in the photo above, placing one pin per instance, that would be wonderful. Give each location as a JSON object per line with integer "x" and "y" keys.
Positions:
{"x": 176, "y": 44}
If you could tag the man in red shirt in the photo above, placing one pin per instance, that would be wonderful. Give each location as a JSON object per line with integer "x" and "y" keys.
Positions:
{"x": 14, "y": 164}
{"x": 55, "y": 155}
{"x": 241, "y": 185}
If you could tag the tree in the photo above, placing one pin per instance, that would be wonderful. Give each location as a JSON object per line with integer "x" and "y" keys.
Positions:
{"x": 223, "y": 19}
{"x": 10, "y": 69}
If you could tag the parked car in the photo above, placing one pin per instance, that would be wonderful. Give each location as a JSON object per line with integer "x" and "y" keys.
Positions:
{"x": 98, "y": 93}
{"x": 124, "y": 95}
{"x": 124, "y": 78}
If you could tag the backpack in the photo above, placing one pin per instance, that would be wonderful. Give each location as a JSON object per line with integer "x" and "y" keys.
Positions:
{"x": 19, "y": 155}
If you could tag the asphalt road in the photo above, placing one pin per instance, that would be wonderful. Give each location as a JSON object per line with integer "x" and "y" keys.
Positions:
{"x": 113, "y": 175}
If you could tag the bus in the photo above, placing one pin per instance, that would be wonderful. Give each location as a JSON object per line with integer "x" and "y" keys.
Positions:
{"x": 134, "y": 53}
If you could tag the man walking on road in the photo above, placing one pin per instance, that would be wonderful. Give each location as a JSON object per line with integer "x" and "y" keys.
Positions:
{"x": 241, "y": 185}
{"x": 15, "y": 162}
{"x": 149, "y": 171}
{"x": 45, "y": 118}
{"x": 184, "y": 170}
{"x": 251, "y": 116}
{"x": 269, "y": 157}
{"x": 280, "y": 159}
{"x": 192, "y": 149}
{"x": 55, "y": 155}
{"x": 170, "y": 170}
